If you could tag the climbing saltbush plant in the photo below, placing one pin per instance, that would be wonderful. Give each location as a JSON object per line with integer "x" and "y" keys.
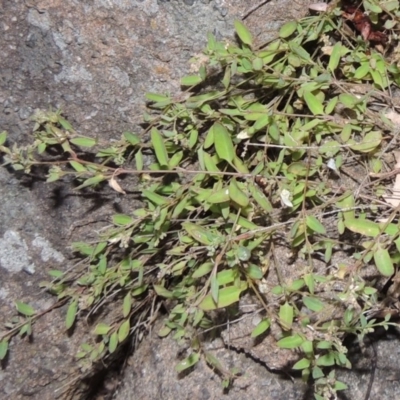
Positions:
{"x": 284, "y": 145}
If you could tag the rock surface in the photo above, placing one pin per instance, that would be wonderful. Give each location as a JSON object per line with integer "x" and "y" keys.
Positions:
{"x": 95, "y": 60}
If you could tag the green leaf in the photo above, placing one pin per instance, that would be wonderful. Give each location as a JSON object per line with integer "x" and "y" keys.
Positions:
{"x": 25, "y": 309}
{"x": 290, "y": 342}
{"x": 204, "y": 269}
{"x": 123, "y": 331}
{"x": 335, "y": 57}
{"x": 243, "y": 33}
{"x": 220, "y": 196}
{"x": 223, "y": 143}
{"x": 113, "y": 343}
{"x": 191, "y": 80}
{"x": 156, "y": 98}
{"x": 3, "y": 137}
{"x": 3, "y": 349}
{"x": 316, "y": 226}
{"x": 161, "y": 291}
{"x": 313, "y": 304}
{"x": 286, "y": 316}
{"x": 314, "y": 105}
{"x": 83, "y": 141}
{"x": 159, "y": 147}
{"x": 383, "y": 262}
{"x": 77, "y": 166}
{"x": 302, "y": 364}
{"x": 199, "y": 233}
{"x": 287, "y": 29}
{"x": 188, "y": 362}
{"x": 126, "y": 305}
{"x": 254, "y": 272}
{"x": 131, "y": 138}
{"x": 101, "y": 329}
{"x": 237, "y": 195}
{"x": 91, "y": 181}
{"x": 327, "y": 360}
{"x": 261, "y": 327}
{"x": 214, "y": 288}
{"x": 369, "y": 143}
{"x": 71, "y": 314}
{"x": 122, "y": 219}
{"x": 155, "y": 198}
{"x": 227, "y": 296}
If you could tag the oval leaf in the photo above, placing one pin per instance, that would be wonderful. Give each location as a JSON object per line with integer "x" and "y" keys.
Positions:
{"x": 226, "y": 297}
{"x": 188, "y": 362}
{"x": 25, "y": 309}
{"x": 159, "y": 147}
{"x": 286, "y": 316}
{"x": 71, "y": 314}
{"x": 123, "y": 331}
{"x": 243, "y": 33}
{"x": 383, "y": 262}
{"x": 191, "y": 80}
{"x": 261, "y": 327}
{"x": 290, "y": 342}
{"x": 316, "y": 226}
{"x": 287, "y": 29}
{"x": 223, "y": 143}
{"x": 314, "y": 105}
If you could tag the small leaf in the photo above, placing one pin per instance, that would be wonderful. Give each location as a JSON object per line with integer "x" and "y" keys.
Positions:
{"x": 223, "y": 143}
{"x": 237, "y": 195}
{"x": 261, "y": 327}
{"x": 204, "y": 269}
{"x": 188, "y": 362}
{"x": 286, "y": 316}
{"x": 113, "y": 343}
{"x": 191, "y": 80}
{"x": 335, "y": 57}
{"x": 131, "y": 138}
{"x": 287, "y": 29}
{"x": 126, "y": 305}
{"x": 254, "y": 272}
{"x": 327, "y": 360}
{"x": 77, "y": 166}
{"x": 122, "y": 219}
{"x": 290, "y": 342}
{"x": 302, "y": 364}
{"x": 101, "y": 329}
{"x": 161, "y": 291}
{"x": 3, "y": 349}
{"x": 369, "y": 143}
{"x": 214, "y": 288}
{"x": 383, "y": 262}
{"x": 313, "y": 304}
{"x": 83, "y": 141}
{"x": 71, "y": 314}
{"x": 199, "y": 233}
{"x": 226, "y": 297}
{"x": 123, "y": 331}
{"x": 91, "y": 181}
{"x": 314, "y": 105}
{"x": 25, "y": 309}
{"x": 316, "y": 226}
{"x": 243, "y": 33}
{"x": 159, "y": 147}
{"x": 156, "y": 98}
{"x": 220, "y": 196}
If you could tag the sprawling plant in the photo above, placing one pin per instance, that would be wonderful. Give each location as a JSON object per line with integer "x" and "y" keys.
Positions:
{"x": 283, "y": 147}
